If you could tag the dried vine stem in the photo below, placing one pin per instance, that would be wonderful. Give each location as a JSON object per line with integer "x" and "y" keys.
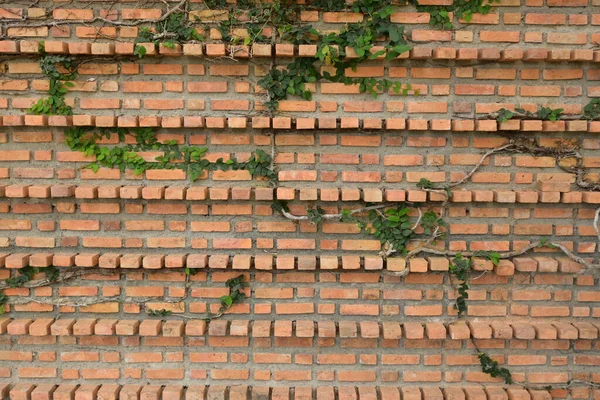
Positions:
{"x": 518, "y": 116}
{"x": 62, "y": 277}
{"x": 560, "y": 154}
{"x": 75, "y": 274}
{"x": 487, "y": 154}
{"x": 597, "y": 224}
{"x": 515, "y": 146}
{"x": 20, "y": 24}
{"x": 531, "y": 148}
{"x": 432, "y": 238}
{"x": 90, "y": 301}
{"x": 415, "y": 226}
{"x": 293, "y": 217}
{"x": 514, "y": 253}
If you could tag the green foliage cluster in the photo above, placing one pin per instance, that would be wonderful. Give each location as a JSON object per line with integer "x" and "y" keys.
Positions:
{"x": 440, "y": 15}
{"x": 26, "y": 274}
{"x": 549, "y": 114}
{"x": 493, "y": 256}
{"x": 315, "y": 215}
{"x": 504, "y": 115}
{"x": 361, "y": 37}
{"x": 188, "y": 158}
{"x": 172, "y": 30}
{"x": 492, "y": 368}
{"x": 592, "y": 110}
{"x": 3, "y": 301}
{"x": 426, "y": 184}
{"x": 283, "y": 17}
{"x": 392, "y": 227}
{"x": 430, "y": 221}
{"x": 235, "y": 296}
{"x": 544, "y": 114}
{"x": 158, "y": 313}
{"x": 329, "y": 5}
{"x": 279, "y": 206}
{"x": 460, "y": 267}
{"x": 53, "y": 66}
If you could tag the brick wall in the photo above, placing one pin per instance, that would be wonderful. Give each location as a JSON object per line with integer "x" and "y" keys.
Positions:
{"x": 326, "y": 315}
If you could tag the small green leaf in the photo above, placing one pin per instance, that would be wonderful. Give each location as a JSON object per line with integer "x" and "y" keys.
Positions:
{"x": 227, "y": 300}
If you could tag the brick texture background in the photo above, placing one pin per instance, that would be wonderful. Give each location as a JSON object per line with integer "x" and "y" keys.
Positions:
{"x": 325, "y": 316}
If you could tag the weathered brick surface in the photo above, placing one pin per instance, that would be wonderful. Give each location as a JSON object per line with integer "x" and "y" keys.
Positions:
{"x": 326, "y": 316}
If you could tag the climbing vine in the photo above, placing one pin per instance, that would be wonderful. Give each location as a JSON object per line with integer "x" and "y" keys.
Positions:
{"x": 460, "y": 268}
{"x": 190, "y": 159}
{"x": 492, "y": 368}
{"x": 53, "y": 67}
{"x": 389, "y": 223}
{"x": 392, "y": 228}
{"x": 592, "y": 110}
{"x": 331, "y": 51}
{"x": 440, "y": 16}
{"x": 25, "y": 275}
{"x": 544, "y": 114}
{"x": 236, "y": 295}
{"x": 461, "y": 265}
{"x": 175, "y": 29}
{"x": 283, "y": 17}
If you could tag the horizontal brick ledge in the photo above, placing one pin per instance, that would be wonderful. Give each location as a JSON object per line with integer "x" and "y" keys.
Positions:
{"x": 300, "y": 123}
{"x": 451, "y": 51}
{"x": 280, "y": 392}
{"x": 535, "y": 262}
{"x": 550, "y": 193}
{"x": 308, "y": 329}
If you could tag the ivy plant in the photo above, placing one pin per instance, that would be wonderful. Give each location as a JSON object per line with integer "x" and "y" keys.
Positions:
{"x": 460, "y": 267}
{"x": 392, "y": 227}
{"x": 26, "y": 274}
{"x": 315, "y": 215}
{"x": 329, "y": 5}
{"x": 493, "y": 256}
{"x": 549, "y": 114}
{"x": 188, "y": 158}
{"x": 60, "y": 71}
{"x": 430, "y": 221}
{"x": 492, "y": 368}
{"x": 592, "y": 110}
{"x": 361, "y": 37}
{"x": 3, "y": 301}
{"x": 172, "y": 30}
{"x": 504, "y": 115}
{"x": 462, "y": 9}
{"x": 426, "y": 184}
{"x": 235, "y": 296}
{"x": 163, "y": 312}
{"x": 544, "y": 114}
